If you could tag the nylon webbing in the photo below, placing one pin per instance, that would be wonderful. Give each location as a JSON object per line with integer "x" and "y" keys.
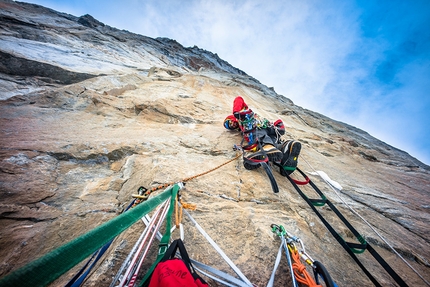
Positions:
{"x": 164, "y": 242}
{"x": 49, "y": 267}
{"x": 272, "y": 179}
{"x": 351, "y": 248}
{"x": 219, "y": 274}
{"x": 78, "y": 279}
{"x": 219, "y": 250}
{"x": 275, "y": 267}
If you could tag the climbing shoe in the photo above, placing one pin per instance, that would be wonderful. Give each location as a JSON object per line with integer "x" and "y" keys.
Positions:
{"x": 252, "y": 159}
{"x": 272, "y": 152}
{"x": 291, "y": 150}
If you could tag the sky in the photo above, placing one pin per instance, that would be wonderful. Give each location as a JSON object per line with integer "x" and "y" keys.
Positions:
{"x": 365, "y": 63}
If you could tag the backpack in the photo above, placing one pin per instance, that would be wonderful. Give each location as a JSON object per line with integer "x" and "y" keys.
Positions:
{"x": 171, "y": 271}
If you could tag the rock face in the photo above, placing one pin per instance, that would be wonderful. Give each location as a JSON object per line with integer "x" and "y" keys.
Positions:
{"x": 89, "y": 113}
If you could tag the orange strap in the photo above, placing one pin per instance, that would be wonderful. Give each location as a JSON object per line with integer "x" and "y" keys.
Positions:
{"x": 178, "y": 211}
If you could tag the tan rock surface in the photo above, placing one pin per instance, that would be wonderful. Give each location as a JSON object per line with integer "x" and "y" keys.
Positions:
{"x": 71, "y": 155}
{"x": 70, "y": 163}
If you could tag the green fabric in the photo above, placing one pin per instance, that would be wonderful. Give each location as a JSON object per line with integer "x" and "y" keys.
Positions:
{"x": 360, "y": 250}
{"x": 46, "y": 269}
{"x": 164, "y": 242}
{"x": 289, "y": 168}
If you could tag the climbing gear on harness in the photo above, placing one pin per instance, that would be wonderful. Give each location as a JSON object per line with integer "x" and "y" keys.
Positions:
{"x": 297, "y": 269}
{"x": 350, "y": 248}
{"x": 254, "y": 155}
{"x": 262, "y": 123}
{"x": 248, "y": 127}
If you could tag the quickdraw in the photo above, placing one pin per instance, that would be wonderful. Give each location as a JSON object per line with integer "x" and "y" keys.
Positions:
{"x": 295, "y": 250}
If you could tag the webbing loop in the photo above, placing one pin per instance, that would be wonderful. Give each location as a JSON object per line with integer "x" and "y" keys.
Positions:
{"x": 306, "y": 181}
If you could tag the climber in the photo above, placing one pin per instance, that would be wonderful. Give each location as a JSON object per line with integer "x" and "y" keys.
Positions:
{"x": 262, "y": 139}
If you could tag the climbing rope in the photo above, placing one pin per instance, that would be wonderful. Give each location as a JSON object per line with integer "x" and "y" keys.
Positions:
{"x": 130, "y": 276}
{"x": 369, "y": 225}
{"x": 300, "y": 272}
{"x": 147, "y": 192}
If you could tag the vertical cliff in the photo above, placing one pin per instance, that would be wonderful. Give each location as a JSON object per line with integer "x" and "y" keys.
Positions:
{"x": 89, "y": 113}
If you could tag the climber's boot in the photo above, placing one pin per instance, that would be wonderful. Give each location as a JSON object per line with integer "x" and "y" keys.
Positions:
{"x": 253, "y": 158}
{"x": 291, "y": 150}
{"x": 274, "y": 154}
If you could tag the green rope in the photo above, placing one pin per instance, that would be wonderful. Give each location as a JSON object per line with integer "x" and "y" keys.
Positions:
{"x": 48, "y": 268}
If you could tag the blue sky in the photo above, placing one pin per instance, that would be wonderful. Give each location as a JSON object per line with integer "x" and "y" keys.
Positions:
{"x": 366, "y": 63}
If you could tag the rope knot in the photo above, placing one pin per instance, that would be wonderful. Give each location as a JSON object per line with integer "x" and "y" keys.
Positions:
{"x": 190, "y": 206}
{"x": 300, "y": 268}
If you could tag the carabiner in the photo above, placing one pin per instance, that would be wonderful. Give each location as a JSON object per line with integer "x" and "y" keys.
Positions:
{"x": 278, "y": 230}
